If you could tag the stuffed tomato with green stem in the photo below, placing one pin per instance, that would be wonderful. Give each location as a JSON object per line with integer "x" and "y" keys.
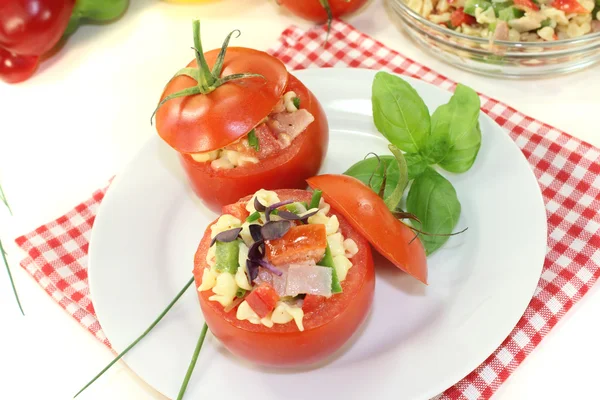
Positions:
{"x": 283, "y": 279}
{"x": 241, "y": 122}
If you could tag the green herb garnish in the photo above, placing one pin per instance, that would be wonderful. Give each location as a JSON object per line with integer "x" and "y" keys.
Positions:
{"x": 10, "y": 277}
{"x": 316, "y": 199}
{"x": 253, "y": 140}
{"x": 12, "y": 282}
{"x": 152, "y": 325}
{"x": 188, "y": 374}
{"x": 253, "y": 217}
{"x": 450, "y": 139}
{"x": 296, "y": 101}
{"x": 240, "y": 293}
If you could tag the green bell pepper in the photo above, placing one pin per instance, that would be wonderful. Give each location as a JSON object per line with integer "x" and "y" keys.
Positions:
{"x": 95, "y": 11}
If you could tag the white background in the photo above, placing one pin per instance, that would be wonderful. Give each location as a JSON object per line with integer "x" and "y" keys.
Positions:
{"x": 78, "y": 121}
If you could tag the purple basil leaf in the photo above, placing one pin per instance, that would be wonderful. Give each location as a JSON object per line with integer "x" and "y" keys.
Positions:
{"x": 270, "y": 267}
{"x": 255, "y": 232}
{"x": 275, "y": 206}
{"x": 275, "y": 229}
{"x": 226, "y": 236}
{"x": 256, "y": 251}
{"x": 290, "y": 216}
{"x": 258, "y": 206}
{"x": 252, "y": 268}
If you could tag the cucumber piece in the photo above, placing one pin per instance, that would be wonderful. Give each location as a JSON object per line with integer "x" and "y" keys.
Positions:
{"x": 510, "y": 13}
{"x": 327, "y": 261}
{"x": 472, "y": 5}
{"x": 227, "y": 255}
{"x": 546, "y": 22}
{"x": 296, "y": 208}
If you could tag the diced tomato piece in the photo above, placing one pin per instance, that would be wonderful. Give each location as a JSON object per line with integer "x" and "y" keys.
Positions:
{"x": 263, "y": 299}
{"x": 459, "y": 17}
{"x": 570, "y": 6}
{"x": 238, "y": 210}
{"x": 301, "y": 244}
{"x": 312, "y": 302}
{"x": 527, "y": 5}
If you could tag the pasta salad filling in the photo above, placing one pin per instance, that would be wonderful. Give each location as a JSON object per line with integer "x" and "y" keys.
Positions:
{"x": 277, "y": 131}
{"x": 267, "y": 265}
{"x": 513, "y": 20}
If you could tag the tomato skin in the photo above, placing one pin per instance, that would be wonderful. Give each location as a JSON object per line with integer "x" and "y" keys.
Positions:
{"x": 287, "y": 169}
{"x": 312, "y": 302}
{"x": 313, "y": 10}
{"x": 368, "y": 214}
{"x": 206, "y": 122}
{"x": 569, "y": 6}
{"x": 326, "y": 329}
{"x": 32, "y": 27}
{"x": 15, "y": 68}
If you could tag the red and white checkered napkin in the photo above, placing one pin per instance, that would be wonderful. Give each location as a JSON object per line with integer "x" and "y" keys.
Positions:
{"x": 568, "y": 172}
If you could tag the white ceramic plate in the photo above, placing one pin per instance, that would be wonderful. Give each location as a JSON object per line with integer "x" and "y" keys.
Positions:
{"x": 418, "y": 340}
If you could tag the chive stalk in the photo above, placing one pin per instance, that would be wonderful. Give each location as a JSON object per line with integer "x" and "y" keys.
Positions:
{"x": 10, "y": 277}
{"x": 188, "y": 375}
{"x": 152, "y": 325}
{"x": 316, "y": 199}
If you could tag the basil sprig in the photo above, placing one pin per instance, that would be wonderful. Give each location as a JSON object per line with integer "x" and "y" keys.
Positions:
{"x": 449, "y": 139}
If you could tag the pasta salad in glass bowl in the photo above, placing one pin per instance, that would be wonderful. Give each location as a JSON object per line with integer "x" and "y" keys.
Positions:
{"x": 510, "y": 38}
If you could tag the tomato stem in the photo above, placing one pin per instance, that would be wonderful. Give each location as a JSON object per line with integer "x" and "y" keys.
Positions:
{"x": 206, "y": 78}
{"x": 325, "y": 4}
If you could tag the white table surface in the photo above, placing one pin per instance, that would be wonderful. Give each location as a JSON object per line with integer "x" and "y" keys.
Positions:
{"x": 84, "y": 115}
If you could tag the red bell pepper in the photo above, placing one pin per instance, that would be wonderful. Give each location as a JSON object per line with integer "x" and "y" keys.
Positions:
{"x": 459, "y": 17}
{"x": 569, "y": 6}
{"x": 40, "y": 25}
{"x": 263, "y": 299}
{"x": 526, "y": 5}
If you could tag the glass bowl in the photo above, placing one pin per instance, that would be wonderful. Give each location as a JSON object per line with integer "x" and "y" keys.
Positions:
{"x": 502, "y": 58}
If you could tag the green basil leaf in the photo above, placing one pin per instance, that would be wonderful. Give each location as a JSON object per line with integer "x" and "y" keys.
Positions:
{"x": 394, "y": 198}
{"x": 432, "y": 198}
{"x": 416, "y": 165}
{"x": 399, "y": 113}
{"x": 253, "y": 140}
{"x": 455, "y": 135}
{"x": 364, "y": 169}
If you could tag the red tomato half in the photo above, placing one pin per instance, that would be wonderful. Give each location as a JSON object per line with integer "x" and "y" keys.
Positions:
{"x": 287, "y": 168}
{"x": 368, "y": 214}
{"x": 326, "y": 328}
{"x": 313, "y": 10}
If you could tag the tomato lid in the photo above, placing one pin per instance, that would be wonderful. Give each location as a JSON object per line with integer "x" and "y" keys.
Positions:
{"x": 367, "y": 213}
{"x": 205, "y": 122}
